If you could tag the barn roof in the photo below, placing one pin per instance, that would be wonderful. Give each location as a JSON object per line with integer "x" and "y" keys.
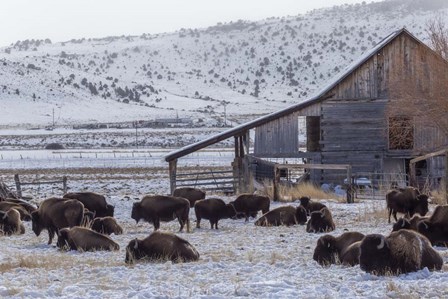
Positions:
{"x": 319, "y": 96}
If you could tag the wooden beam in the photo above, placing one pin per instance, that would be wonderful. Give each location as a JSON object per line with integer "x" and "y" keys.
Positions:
{"x": 315, "y": 166}
{"x": 172, "y": 174}
{"x": 431, "y": 155}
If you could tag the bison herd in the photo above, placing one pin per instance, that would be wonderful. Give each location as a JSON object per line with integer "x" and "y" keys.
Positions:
{"x": 84, "y": 221}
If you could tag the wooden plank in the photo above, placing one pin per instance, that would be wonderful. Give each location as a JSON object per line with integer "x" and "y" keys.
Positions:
{"x": 314, "y": 166}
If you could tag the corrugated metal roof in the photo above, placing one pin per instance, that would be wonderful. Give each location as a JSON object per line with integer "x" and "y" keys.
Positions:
{"x": 239, "y": 130}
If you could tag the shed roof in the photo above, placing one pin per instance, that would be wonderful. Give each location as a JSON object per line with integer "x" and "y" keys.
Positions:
{"x": 319, "y": 96}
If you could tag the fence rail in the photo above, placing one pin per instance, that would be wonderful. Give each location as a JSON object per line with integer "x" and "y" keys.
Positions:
{"x": 222, "y": 180}
{"x": 19, "y": 184}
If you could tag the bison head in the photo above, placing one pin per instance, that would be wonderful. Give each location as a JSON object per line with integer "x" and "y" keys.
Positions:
{"x": 402, "y": 223}
{"x": 326, "y": 252}
{"x": 422, "y": 204}
{"x": 304, "y": 201}
{"x": 62, "y": 242}
{"x": 133, "y": 251}
{"x": 301, "y": 215}
{"x": 135, "y": 214}
{"x": 36, "y": 223}
{"x": 375, "y": 254}
{"x": 110, "y": 210}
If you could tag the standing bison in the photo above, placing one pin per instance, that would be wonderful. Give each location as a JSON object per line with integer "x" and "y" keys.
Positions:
{"x": 320, "y": 221}
{"x": 192, "y": 194}
{"x": 213, "y": 209}
{"x": 332, "y": 250}
{"x": 56, "y": 213}
{"x": 161, "y": 246}
{"x": 162, "y": 208}
{"x": 407, "y": 201}
{"x": 10, "y": 222}
{"x": 310, "y": 206}
{"x": 84, "y": 239}
{"x": 250, "y": 204}
{"x": 106, "y": 226}
{"x": 94, "y": 202}
{"x": 402, "y": 251}
{"x": 287, "y": 216}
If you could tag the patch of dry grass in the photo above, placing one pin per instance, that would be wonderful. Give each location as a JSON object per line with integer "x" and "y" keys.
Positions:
{"x": 292, "y": 193}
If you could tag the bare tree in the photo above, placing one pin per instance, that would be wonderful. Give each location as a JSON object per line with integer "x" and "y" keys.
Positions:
{"x": 437, "y": 31}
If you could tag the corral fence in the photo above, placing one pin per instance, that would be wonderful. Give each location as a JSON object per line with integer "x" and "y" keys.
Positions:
{"x": 38, "y": 183}
{"x": 368, "y": 185}
{"x": 217, "y": 180}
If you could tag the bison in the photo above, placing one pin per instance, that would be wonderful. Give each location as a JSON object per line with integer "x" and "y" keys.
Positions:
{"x": 250, "y": 204}
{"x": 212, "y": 209}
{"x": 24, "y": 214}
{"x": 320, "y": 221}
{"x": 107, "y": 226}
{"x": 332, "y": 250}
{"x": 26, "y": 205}
{"x": 84, "y": 239}
{"x": 310, "y": 206}
{"x": 93, "y": 202}
{"x": 10, "y": 222}
{"x": 411, "y": 224}
{"x": 162, "y": 208}
{"x": 192, "y": 194}
{"x": 56, "y": 213}
{"x": 287, "y": 215}
{"x": 407, "y": 201}
{"x": 402, "y": 251}
{"x": 435, "y": 228}
{"x": 161, "y": 246}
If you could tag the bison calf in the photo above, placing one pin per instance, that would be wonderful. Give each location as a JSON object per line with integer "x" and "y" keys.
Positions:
{"x": 402, "y": 251}
{"x": 84, "y": 239}
{"x": 162, "y": 208}
{"x": 287, "y": 216}
{"x": 407, "y": 201}
{"x": 320, "y": 221}
{"x": 310, "y": 206}
{"x": 161, "y": 247}
{"x": 192, "y": 194}
{"x": 332, "y": 250}
{"x": 107, "y": 226}
{"x": 10, "y": 222}
{"x": 250, "y": 204}
{"x": 212, "y": 209}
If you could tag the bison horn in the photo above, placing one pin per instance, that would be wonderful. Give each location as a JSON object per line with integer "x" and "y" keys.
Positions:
{"x": 5, "y": 215}
{"x": 381, "y": 243}
{"x": 402, "y": 224}
{"x": 426, "y": 225}
{"x": 322, "y": 213}
{"x": 136, "y": 244}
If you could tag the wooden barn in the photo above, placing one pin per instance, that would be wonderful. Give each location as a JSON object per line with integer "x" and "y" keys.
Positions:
{"x": 359, "y": 119}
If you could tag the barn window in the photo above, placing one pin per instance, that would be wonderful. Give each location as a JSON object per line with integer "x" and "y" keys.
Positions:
{"x": 312, "y": 133}
{"x": 401, "y": 133}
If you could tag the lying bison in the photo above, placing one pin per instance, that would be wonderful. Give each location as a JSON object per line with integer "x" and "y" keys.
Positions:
{"x": 411, "y": 224}
{"x": 407, "y": 201}
{"x": 158, "y": 208}
{"x": 310, "y": 206}
{"x": 287, "y": 216}
{"x": 5, "y": 206}
{"x": 106, "y": 226}
{"x": 320, "y": 221}
{"x": 435, "y": 228}
{"x": 250, "y": 204}
{"x": 343, "y": 249}
{"x": 93, "y": 202}
{"x": 26, "y": 205}
{"x": 161, "y": 247}
{"x": 212, "y": 209}
{"x": 402, "y": 251}
{"x": 10, "y": 222}
{"x": 84, "y": 239}
{"x": 192, "y": 194}
{"x": 56, "y": 213}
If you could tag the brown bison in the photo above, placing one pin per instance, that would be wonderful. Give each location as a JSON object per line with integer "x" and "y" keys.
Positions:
{"x": 161, "y": 246}
{"x": 407, "y": 201}
{"x": 26, "y": 205}
{"x": 250, "y": 204}
{"x": 435, "y": 228}
{"x": 84, "y": 239}
{"x": 10, "y": 222}
{"x": 320, "y": 221}
{"x": 411, "y": 224}
{"x": 402, "y": 251}
{"x": 212, "y": 209}
{"x": 310, "y": 206}
{"x": 107, "y": 226}
{"x": 333, "y": 250}
{"x": 287, "y": 215}
{"x": 93, "y": 202}
{"x": 56, "y": 213}
{"x": 5, "y": 206}
{"x": 192, "y": 194}
{"x": 162, "y": 208}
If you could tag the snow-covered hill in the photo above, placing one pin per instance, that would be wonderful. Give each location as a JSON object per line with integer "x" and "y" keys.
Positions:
{"x": 241, "y": 69}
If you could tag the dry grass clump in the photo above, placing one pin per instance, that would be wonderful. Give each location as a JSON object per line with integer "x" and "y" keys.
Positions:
{"x": 294, "y": 192}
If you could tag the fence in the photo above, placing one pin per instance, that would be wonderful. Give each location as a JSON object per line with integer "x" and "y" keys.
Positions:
{"x": 19, "y": 184}
{"x": 208, "y": 179}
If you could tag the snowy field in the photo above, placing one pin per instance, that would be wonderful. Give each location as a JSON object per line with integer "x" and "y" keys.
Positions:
{"x": 238, "y": 260}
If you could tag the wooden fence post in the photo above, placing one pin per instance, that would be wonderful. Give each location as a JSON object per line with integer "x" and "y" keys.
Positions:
{"x": 173, "y": 171}
{"x": 18, "y": 186}
{"x": 276, "y": 183}
{"x": 64, "y": 184}
{"x": 350, "y": 190}
{"x": 446, "y": 177}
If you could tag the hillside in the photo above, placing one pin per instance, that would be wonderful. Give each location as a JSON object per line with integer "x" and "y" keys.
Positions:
{"x": 238, "y": 70}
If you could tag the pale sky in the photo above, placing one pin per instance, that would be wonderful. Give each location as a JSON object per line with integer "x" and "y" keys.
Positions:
{"x": 62, "y": 20}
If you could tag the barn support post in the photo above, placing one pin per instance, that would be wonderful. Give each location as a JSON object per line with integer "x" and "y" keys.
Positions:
{"x": 276, "y": 184}
{"x": 18, "y": 185}
{"x": 350, "y": 189}
{"x": 237, "y": 165}
{"x": 446, "y": 178}
{"x": 412, "y": 175}
{"x": 172, "y": 174}
{"x": 64, "y": 184}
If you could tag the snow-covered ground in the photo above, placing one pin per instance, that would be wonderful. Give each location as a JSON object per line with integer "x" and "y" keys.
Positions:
{"x": 238, "y": 260}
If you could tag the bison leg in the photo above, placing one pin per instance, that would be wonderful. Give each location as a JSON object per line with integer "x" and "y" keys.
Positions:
{"x": 156, "y": 222}
{"x": 390, "y": 213}
{"x": 50, "y": 236}
{"x": 395, "y": 215}
{"x": 198, "y": 222}
{"x": 216, "y": 224}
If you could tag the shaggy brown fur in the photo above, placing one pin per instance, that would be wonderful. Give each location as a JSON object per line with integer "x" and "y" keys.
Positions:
{"x": 11, "y": 223}
{"x": 287, "y": 215}
{"x": 84, "y": 239}
{"x": 332, "y": 250}
{"x": 93, "y": 202}
{"x": 192, "y": 194}
{"x": 320, "y": 222}
{"x": 107, "y": 226}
